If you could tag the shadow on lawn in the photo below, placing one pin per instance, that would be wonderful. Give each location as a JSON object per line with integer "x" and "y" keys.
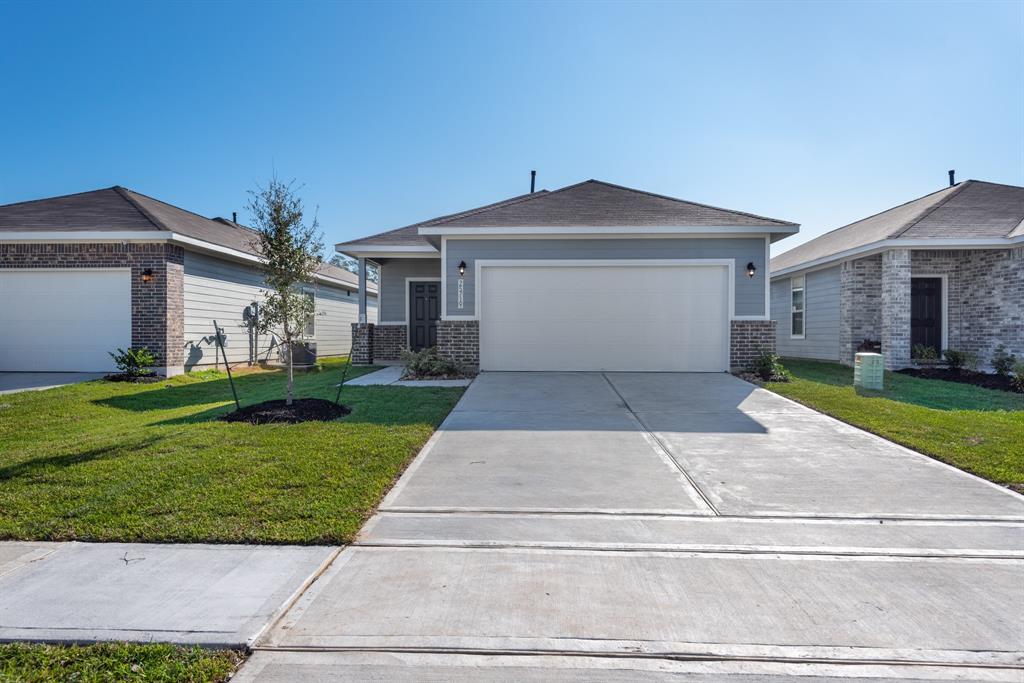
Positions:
{"x": 29, "y": 467}
{"x": 371, "y": 404}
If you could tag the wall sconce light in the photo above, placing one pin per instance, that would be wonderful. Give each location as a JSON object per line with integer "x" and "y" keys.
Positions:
{"x": 462, "y": 268}
{"x": 147, "y": 275}
{"x": 751, "y": 269}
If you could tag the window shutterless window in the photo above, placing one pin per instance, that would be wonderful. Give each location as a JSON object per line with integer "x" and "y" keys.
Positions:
{"x": 796, "y": 310}
{"x": 310, "y": 330}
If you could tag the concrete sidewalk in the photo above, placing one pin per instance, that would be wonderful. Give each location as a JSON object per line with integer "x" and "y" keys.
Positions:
{"x": 643, "y": 526}
{"x": 392, "y": 376}
{"x": 211, "y": 595}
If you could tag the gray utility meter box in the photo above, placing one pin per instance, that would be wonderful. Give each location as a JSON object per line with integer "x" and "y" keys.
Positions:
{"x": 868, "y": 369}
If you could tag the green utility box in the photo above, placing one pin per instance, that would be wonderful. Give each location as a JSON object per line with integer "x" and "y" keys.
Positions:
{"x": 868, "y": 371}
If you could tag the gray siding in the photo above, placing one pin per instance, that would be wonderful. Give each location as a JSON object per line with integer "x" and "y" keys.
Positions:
{"x": 392, "y": 283}
{"x": 221, "y": 290}
{"x": 821, "y": 316}
{"x": 749, "y": 291}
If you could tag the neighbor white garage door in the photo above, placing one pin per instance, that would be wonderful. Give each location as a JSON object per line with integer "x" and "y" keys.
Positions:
{"x": 63, "y": 320}
{"x": 589, "y": 317}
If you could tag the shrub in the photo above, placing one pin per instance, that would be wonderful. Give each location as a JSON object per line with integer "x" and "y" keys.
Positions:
{"x": 428, "y": 363}
{"x": 768, "y": 367}
{"x": 1018, "y": 376}
{"x": 1003, "y": 361}
{"x": 134, "y": 362}
{"x": 870, "y": 346}
{"x": 923, "y": 352}
{"x": 957, "y": 360}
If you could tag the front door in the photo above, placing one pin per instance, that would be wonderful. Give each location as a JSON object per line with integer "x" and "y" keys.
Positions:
{"x": 926, "y": 312}
{"x": 424, "y": 312}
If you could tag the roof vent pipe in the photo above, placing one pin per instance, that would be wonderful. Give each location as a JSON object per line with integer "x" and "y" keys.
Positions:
{"x": 533, "y": 181}
{"x": 952, "y": 173}
{"x": 234, "y": 216}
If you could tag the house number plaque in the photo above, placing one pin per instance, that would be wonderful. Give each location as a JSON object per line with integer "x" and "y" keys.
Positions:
{"x": 460, "y": 300}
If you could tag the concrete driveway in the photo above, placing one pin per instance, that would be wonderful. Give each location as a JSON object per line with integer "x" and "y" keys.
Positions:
{"x": 588, "y": 526}
{"x": 13, "y": 382}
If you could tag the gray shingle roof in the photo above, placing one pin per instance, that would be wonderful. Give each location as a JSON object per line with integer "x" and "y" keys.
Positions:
{"x": 119, "y": 209}
{"x": 592, "y": 203}
{"x": 972, "y": 209}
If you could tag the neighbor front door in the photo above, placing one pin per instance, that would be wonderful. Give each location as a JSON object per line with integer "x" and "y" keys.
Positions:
{"x": 424, "y": 312}
{"x": 926, "y": 312}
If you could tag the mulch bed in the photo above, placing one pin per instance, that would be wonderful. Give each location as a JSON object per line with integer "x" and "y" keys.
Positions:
{"x": 301, "y": 410}
{"x": 134, "y": 379}
{"x": 978, "y": 379}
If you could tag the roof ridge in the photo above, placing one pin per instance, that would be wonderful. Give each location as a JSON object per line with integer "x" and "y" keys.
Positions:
{"x": 927, "y": 212}
{"x": 681, "y": 201}
{"x": 125, "y": 194}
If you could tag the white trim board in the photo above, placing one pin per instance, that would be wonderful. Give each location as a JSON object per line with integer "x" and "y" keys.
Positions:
{"x": 624, "y": 230}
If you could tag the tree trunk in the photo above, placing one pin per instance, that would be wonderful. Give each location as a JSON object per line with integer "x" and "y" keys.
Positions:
{"x": 291, "y": 375}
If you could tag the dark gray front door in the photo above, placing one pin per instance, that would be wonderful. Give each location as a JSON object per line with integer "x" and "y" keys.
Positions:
{"x": 926, "y": 312}
{"x": 424, "y": 312}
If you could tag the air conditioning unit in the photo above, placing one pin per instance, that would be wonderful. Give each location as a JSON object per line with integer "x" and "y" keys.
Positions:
{"x": 869, "y": 371}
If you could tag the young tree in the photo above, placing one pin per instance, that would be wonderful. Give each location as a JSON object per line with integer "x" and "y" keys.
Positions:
{"x": 292, "y": 251}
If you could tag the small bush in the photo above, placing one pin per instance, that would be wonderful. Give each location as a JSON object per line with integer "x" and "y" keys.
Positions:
{"x": 769, "y": 368}
{"x": 1018, "y": 376}
{"x": 134, "y": 362}
{"x": 957, "y": 360}
{"x": 428, "y": 363}
{"x": 870, "y": 346}
{"x": 923, "y": 352}
{"x": 1003, "y": 361}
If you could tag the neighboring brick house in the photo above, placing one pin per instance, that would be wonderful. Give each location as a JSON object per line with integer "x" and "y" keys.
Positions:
{"x": 944, "y": 271}
{"x": 83, "y": 274}
{"x": 593, "y": 276}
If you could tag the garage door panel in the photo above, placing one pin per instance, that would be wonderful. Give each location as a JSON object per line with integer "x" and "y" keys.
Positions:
{"x": 604, "y": 318}
{"x": 63, "y": 320}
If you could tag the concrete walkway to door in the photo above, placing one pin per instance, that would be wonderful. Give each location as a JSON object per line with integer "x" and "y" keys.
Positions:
{"x": 623, "y": 526}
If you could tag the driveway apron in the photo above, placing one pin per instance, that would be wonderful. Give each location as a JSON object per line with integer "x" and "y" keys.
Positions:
{"x": 623, "y": 526}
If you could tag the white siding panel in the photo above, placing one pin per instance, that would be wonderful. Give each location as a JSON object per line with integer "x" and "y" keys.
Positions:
{"x": 821, "y": 317}
{"x": 222, "y": 290}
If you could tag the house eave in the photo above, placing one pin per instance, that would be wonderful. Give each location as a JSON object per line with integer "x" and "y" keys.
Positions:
{"x": 623, "y": 231}
{"x": 144, "y": 236}
{"x": 884, "y": 245}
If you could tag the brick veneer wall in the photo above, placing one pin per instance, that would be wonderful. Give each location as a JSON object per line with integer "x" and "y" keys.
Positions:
{"x": 896, "y": 308}
{"x": 389, "y": 341}
{"x": 157, "y": 306}
{"x": 747, "y": 338}
{"x": 362, "y": 343}
{"x": 459, "y": 341}
{"x": 860, "y": 304}
{"x": 991, "y": 293}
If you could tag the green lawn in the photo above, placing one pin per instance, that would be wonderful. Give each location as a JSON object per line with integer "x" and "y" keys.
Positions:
{"x": 115, "y": 662}
{"x": 107, "y": 461}
{"x": 978, "y": 430}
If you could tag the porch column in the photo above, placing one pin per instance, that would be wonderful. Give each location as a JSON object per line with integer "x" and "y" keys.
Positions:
{"x": 363, "y": 280}
{"x": 896, "y": 308}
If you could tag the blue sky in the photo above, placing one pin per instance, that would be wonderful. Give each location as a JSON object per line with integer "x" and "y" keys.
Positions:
{"x": 820, "y": 113}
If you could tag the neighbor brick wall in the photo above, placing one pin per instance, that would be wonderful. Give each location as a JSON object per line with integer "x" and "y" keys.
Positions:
{"x": 157, "y": 306}
{"x": 362, "y": 343}
{"x": 747, "y": 339}
{"x": 459, "y": 341}
{"x": 896, "y": 308}
{"x": 389, "y": 341}
{"x": 860, "y": 304}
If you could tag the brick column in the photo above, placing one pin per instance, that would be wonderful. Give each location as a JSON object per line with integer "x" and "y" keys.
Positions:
{"x": 362, "y": 346}
{"x": 459, "y": 341}
{"x": 860, "y": 304}
{"x": 896, "y": 308}
{"x": 747, "y": 339}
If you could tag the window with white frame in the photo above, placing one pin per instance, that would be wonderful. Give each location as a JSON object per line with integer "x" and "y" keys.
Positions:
{"x": 309, "y": 332}
{"x": 796, "y": 310}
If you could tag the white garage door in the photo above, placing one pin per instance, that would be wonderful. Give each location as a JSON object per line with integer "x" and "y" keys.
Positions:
{"x": 643, "y": 318}
{"x": 63, "y": 320}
